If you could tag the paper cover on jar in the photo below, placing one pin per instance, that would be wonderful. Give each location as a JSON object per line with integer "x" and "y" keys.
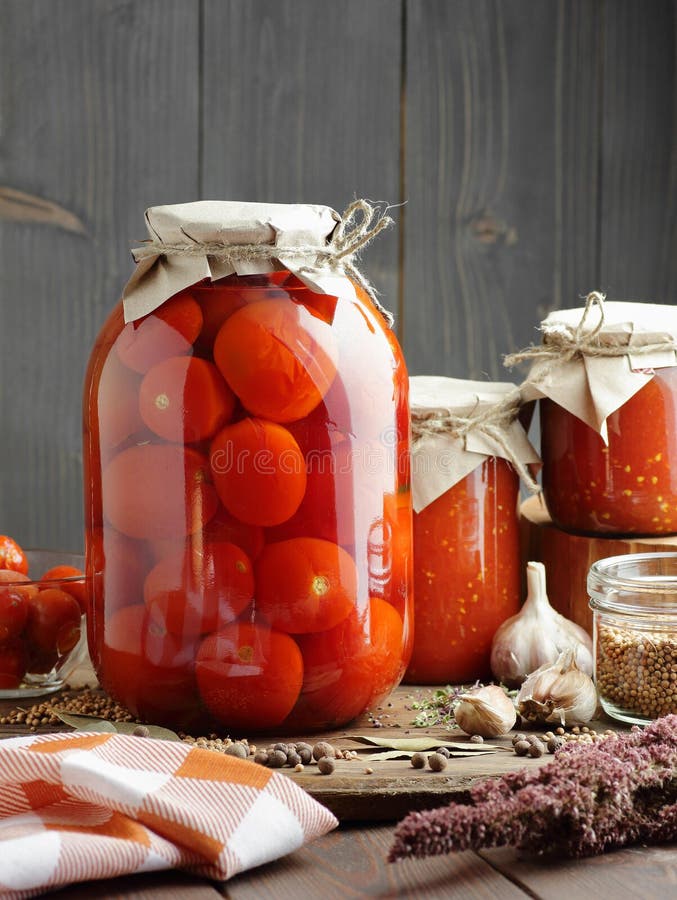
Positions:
{"x": 595, "y": 358}
{"x": 456, "y": 425}
{"x": 210, "y": 239}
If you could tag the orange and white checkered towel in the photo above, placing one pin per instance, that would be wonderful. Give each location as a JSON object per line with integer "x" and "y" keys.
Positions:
{"x": 78, "y": 806}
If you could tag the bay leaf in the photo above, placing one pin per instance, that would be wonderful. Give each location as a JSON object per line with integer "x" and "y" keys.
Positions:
{"x": 418, "y": 744}
{"x": 407, "y": 754}
{"x": 85, "y": 723}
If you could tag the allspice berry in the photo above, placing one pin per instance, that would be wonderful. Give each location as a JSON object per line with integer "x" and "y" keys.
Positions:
{"x": 238, "y": 749}
{"x": 326, "y": 765}
{"x": 322, "y": 748}
{"x": 536, "y": 749}
{"x": 277, "y": 759}
{"x": 437, "y": 762}
{"x": 141, "y": 731}
{"x": 418, "y": 760}
{"x": 522, "y": 748}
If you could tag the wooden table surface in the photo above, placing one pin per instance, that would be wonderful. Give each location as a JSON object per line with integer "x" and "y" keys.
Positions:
{"x": 351, "y": 862}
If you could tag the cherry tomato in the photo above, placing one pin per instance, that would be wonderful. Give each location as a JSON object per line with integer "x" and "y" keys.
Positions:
{"x": 148, "y": 669}
{"x": 118, "y": 565}
{"x": 18, "y": 579}
{"x": 76, "y": 589}
{"x": 117, "y": 404}
{"x": 305, "y": 584}
{"x": 13, "y": 662}
{"x": 170, "y": 330}
{"x": 350, "y": 666}
{"x": 158, "y": 491}
{"x": 224, "y": 527}
{"x": 249, "y": 676}
{"x": 201, "y": 591}
{"x": 219, "y": 300}
{"x": 259, "y": 471}
{"x": 185, "y": 399}
{"x": 53, "y": 621}
{"x": 12, "y": 556}
{"x": 13, "y": 613}
{"x": 278, "y": 358}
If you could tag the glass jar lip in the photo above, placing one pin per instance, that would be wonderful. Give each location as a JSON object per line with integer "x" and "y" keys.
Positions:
{"x": 646, "y": 594}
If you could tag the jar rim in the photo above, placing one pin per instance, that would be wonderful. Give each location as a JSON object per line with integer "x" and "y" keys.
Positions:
{"x": 618, "y": 584}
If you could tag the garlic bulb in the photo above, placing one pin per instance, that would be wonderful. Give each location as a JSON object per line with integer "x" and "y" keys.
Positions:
{"x": 536, "y": 636}
{"x": 487, "y": 711}
{"x": 558, "y": 692}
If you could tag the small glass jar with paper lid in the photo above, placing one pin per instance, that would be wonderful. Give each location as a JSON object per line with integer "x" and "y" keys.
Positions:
{"x": 248, "y": 512}
{"x": 469, "y": 450}
{"x": 606, "y": 376}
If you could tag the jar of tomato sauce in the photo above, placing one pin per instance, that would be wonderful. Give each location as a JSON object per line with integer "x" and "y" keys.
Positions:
{"x": 248, "y": 507}
{"x": 468, "y": 450}
{"x": 606, "y": 377}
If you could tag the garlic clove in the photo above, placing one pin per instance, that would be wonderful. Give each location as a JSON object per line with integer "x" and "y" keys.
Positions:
{"x": 536, "y": 636}
{"x": 487, "y": 711}
{"x": 558, "y": 692}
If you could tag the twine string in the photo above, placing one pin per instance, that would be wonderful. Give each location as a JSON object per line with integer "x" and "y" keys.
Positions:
{"x": 338, "y": 255}
{"x": 570, "y": 342}
{"x": 491, "y": 422}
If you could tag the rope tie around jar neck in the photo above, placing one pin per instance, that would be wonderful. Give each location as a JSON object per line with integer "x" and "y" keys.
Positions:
{"x": 491, "y": 422}
{"x": 571, "y": 342}
{"x": 338, "y": 255}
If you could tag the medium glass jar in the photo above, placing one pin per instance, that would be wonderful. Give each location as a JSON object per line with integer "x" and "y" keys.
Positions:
{"x": 626, "y": 486}
{"x": 239, "y": 458}
{"x": 634, "y": 603}
{"x": 466, "y": 535}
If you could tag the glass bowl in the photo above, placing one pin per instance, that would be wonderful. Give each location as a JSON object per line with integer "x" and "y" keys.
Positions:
{"x": 52, "y": 642}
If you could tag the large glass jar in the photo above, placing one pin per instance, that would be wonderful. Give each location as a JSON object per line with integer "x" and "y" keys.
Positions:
{"x": 247, "y": 501}
{"x": 606, "y": 376}
{"x": 634, "y": 603}
{"x": 466, "y": 535}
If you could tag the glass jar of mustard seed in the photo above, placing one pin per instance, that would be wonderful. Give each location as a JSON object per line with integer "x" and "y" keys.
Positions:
{"x": 634, "y": 603}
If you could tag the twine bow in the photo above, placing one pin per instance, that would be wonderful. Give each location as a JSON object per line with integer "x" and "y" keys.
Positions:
{"x": 570, "y": 342}
{"x": 338, "y": 255}
{"x": 491, "y": 422}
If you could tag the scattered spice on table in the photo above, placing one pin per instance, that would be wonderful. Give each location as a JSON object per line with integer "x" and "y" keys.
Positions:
{"x": 590, "y": 798}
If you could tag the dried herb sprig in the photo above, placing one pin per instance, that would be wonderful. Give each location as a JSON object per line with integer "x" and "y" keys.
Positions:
{"x": 591, "y": 798}
{"x": 438, "y": 709}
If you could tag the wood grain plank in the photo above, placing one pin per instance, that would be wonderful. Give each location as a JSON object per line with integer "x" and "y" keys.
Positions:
{"x": 639, "y": 151}
{"x": 501, "y": 173}
{"x": 352, "y": 863}
{"x": 171, "y": 885}
{"x": 99, "y": 105}
{"x": 646, "y": 872}
{"x": 302, "y": 105}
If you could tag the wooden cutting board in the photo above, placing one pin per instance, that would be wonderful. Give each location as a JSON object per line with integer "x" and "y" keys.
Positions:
{"x": 394, "y": 787}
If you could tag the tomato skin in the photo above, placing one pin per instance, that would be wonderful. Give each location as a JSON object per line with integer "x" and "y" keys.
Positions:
{"x": 158, "y": 491}
{"x": 170, "y": 330}
{"x": 249, "y": 676}
{"x": 12, "y": 556}
{"x": 201, "y": 591}
{"x": 259, "y": 471}
{"x": 13, "y": 613}
{"x": 305, "y": 585}
{"x": 77, "y": 589}
{"x": 53, "y": 621}
{"x": 277, "y": 357}
{"x": 13, "y": 664}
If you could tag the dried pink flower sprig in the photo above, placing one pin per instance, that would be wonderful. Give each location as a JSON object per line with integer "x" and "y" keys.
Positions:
{"x": 591, "y": 798}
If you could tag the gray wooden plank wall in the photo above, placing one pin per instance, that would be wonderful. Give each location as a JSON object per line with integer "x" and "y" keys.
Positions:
{"x": 535, "y": 143}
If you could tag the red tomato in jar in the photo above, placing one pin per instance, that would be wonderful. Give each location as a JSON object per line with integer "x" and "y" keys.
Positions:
{"x": 117, "y": 404}
{"x": 12, "y": 556}
{"x": 305, "y": 584}
{"x": 259, "y": 471}
{"x": 278, "y": 358}
{"x": 219, "y": 300}
{"x": 157, "y": 491}
{"x": 185, "y": 399}
{"x": 13, "y": 662}
{"x": 349, "y": 667}
{"x": 76, "y": 588}
{"x": 148, "y": 669}
{"x": 170, "y": 330}
{"x": 53, "y": 621}
{"x": 13, "y": 613}
{"x": 249, "y": 676}
{"x": 19, "y": 580}
{"x": 201, "y": 591}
